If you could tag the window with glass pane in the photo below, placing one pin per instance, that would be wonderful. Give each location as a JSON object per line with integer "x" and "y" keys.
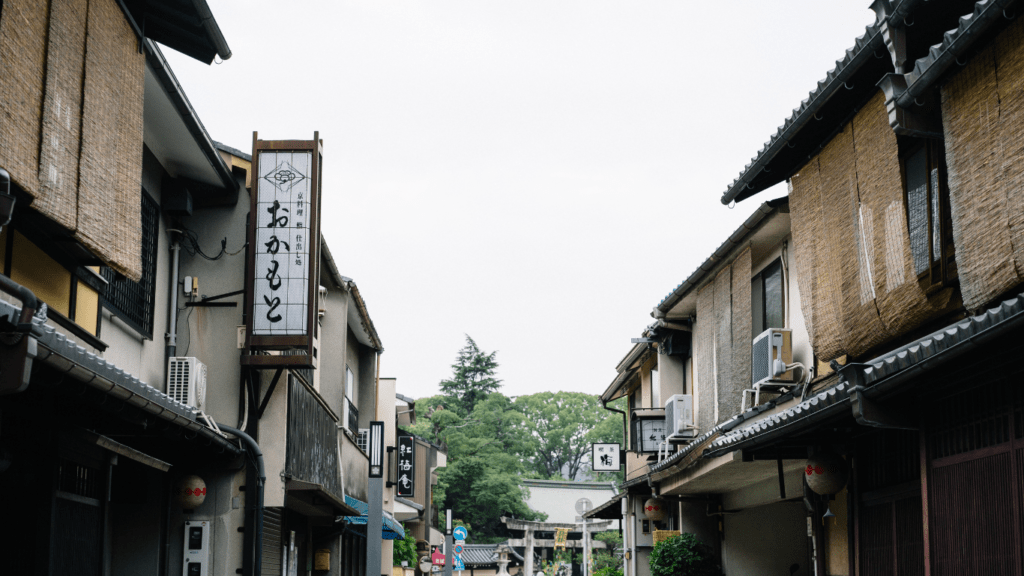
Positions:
{"x": 767, "y": 299}
{"x": 928, "y": 221}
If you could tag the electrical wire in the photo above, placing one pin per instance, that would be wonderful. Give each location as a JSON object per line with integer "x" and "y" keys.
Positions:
{"x": 192, "y": 248}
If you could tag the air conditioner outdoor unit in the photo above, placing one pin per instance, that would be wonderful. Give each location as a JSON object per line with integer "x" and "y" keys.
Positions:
{"x": 679, "y": 416}
{"x": 363, "y": 440}
{"x": 771, "y": 354}
{"x": 186, "y": 381}
{"x": 772, "y": 351}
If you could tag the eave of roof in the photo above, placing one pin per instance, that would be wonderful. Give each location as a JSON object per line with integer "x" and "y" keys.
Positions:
{"x": 182, "y": 162}
{"x": 187, "y": 26}
{"x": 955, "y": 43}
{"x": 724, "y": 250}
{"x": 837, "y": 80}
{"x": 57, "y": 350}
{"x": 798, "y": 139}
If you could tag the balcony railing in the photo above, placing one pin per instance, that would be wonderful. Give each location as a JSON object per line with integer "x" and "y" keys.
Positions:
{"x": 312, "y": 453}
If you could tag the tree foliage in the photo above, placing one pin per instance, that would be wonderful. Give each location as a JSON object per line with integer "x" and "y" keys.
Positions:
{"x": 472, "y": 378}
{"x": 683, "y": 555}
{"x": 494, "y": 442}
{"x": 405, "y": 550}
{"x": 563, "y": 425}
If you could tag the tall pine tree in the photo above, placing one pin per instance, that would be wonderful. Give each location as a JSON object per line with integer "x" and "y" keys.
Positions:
{"x": 472, "y": 378}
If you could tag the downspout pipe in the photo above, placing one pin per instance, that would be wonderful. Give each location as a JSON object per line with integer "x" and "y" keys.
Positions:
{"x": 172, "y": 312}
{"x": 254, "y": 515}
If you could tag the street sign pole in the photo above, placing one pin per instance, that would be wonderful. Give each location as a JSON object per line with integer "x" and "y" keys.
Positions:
{"x": 448, "y": 543}
{"x": 375, "y": 500}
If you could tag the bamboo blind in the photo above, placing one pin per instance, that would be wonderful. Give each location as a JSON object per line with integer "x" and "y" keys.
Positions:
{"x": 62, "y": 113}
{"x": 22, "y": 65}
{"x": 723, "y": 342}
{"x": 852, "y": 248}
{"x": 901, "y": 303}
{"x": 704, "y": 350}
{"x": 981, "y": 117}
{"x": 742, "y": 332}
{"x": 71, "y": 91}
{"x": 109, "y": 195}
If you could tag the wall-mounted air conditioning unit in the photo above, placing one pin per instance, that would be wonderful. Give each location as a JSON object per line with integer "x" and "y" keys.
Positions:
{"x": 363, "y": 440}
{"x": 679, "y": 417}
{"x": 771, "y": 354}
{"x": 186, "y": 381}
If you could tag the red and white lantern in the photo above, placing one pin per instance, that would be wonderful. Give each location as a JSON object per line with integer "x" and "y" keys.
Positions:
{"x": 826, "y": 473}
{"x": 190, "y": 492}
{"x": 655, "y": 509}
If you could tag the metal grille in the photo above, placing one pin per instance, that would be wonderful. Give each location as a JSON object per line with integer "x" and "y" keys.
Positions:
{"x": 77, "y": 539}
{"x": 271, "y": 557}
{"x": 133, "y": 301}
{"x": 79, "y": 480}
{"x": 877, "y": 548}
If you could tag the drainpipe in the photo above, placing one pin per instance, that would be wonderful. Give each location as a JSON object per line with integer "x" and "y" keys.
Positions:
{"x": 252, "y": 557}
{"x": 172, "y": 313}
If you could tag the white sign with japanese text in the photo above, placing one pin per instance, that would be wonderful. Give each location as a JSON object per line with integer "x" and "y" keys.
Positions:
{"x": 405, "y": 476}
{"x": 605, "y": 457}
{"x": 283, "y": 219}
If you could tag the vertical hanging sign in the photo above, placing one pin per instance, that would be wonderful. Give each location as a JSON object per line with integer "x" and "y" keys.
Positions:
{"x": 406, "y": 473}
{"x": 284, "y": 246}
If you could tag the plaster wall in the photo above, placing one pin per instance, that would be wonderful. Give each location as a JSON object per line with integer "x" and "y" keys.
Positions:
{"x": 672, "y": 372}
{"x": 272, "y": 439}
{"x": 766, "y": 540}
{"x": 210, "y": 333}
{"x": 224, "y": 509}
{"x": 333, "y": 336}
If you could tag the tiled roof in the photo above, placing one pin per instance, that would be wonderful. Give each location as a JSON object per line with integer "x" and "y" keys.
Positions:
{"x": 478, "y": 554}
{"x": 745, "y": 229}
{"x": 954, "y": 42}
{"x": 57, "y": 350}
{"x": 863, "y": 48}
{"x": 885, "y": 370}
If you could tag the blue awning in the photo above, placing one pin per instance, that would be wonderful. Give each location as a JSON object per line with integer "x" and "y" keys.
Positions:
{"x": 391, "y": 529}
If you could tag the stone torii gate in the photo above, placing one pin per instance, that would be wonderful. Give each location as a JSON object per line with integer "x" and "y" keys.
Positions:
{"x": 528, "y": 542}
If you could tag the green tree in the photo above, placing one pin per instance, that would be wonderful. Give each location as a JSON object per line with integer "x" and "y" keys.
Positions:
{"x": 563, "y": 426}
{"x": 473, "y": 377}
{"x": 405, "y": 550}
{"x": 606, "y": 562}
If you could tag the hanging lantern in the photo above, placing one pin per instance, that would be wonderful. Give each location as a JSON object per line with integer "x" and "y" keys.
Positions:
{"x": 655, "y": 509}
{"x": 826, "y": 473}
{"x": 190, "y": 492}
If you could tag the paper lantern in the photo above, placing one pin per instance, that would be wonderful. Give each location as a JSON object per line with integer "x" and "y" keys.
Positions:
{"x": 190, "y": 492}
{"x": 826, "y": 473}
{"x": 655, "y": 509}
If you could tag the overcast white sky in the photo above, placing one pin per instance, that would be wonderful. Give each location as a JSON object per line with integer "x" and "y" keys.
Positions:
{"x": 537, "y": 174}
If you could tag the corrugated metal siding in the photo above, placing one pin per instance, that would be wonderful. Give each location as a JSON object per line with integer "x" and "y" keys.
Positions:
{"x": 272, "y": 542}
